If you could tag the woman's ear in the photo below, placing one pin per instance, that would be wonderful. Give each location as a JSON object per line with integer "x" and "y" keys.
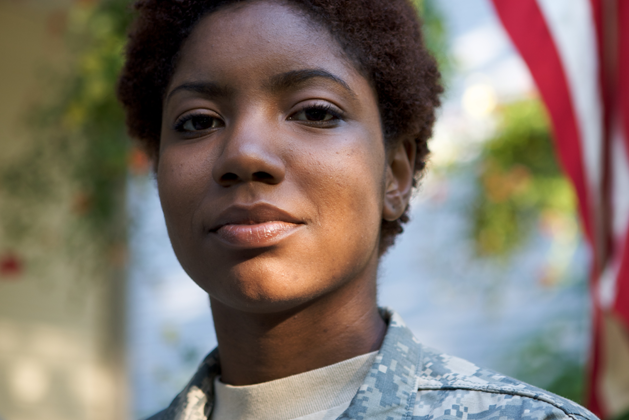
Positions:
{"x": 399, "y": 179}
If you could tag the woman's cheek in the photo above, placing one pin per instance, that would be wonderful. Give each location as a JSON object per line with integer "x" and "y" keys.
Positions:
{"x": 180, "y": 183}
{"x": 348, "y": 193}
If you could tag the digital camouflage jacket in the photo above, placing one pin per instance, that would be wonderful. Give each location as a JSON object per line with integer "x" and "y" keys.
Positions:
{"x": 411, "y": 382}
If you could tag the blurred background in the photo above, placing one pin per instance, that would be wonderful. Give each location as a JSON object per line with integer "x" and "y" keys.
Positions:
{"x": 99, "y": 321}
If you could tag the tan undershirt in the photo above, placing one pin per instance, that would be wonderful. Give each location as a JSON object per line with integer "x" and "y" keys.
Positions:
{"x": 319, "y": 394}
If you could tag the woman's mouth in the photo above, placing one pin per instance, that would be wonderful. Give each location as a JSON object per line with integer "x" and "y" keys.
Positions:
{"x": 254, "y": 226}
{"x": 256, "y": 235}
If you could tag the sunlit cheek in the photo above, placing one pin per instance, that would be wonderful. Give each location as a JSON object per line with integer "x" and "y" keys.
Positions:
{"x": 352, "y": 192}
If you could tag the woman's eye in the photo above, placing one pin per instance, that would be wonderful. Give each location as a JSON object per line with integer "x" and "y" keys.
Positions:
{"x": 316, "y": 114}
{"x": 198, "y": 123}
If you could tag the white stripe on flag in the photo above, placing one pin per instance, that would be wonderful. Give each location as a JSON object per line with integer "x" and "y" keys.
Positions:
{"x": 620, "y": 214}
{"x": 571, "y": 24}
{"x": 620, "y": 187}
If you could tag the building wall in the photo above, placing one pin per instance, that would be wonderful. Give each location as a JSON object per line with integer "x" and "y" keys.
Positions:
{"x": 61, "y": 324}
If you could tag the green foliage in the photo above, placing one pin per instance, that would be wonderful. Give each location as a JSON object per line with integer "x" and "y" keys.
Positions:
{"x": 520, "y": 188}
{"x": 435, "y": 34}
{"x": 519, "y": 182}
{"x": 80, "y": 151}
{"x": 89, "y": 113}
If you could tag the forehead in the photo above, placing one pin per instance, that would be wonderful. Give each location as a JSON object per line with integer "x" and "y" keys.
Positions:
{"x": 257, "y": 38}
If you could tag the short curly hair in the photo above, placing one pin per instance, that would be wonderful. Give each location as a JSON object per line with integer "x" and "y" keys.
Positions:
{"x": 381, "y": 37}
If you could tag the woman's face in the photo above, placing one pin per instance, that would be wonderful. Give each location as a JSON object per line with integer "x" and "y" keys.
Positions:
{"x": 272, "y": 166}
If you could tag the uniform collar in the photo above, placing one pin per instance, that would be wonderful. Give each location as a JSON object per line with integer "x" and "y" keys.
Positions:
{"x": 388, "y": 391}
{"x": 390, "y": 388}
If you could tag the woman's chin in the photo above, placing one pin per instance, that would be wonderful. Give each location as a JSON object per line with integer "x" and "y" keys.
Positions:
{"x": 283, "y": 278}
{"x": 265, "y": 300}
{"x": 262, "y": 293}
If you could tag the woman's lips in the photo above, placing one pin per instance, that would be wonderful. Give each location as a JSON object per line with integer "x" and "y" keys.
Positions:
{"x": 256, "y": 235}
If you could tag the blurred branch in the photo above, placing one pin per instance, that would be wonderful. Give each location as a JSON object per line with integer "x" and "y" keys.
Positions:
{"x": 78, "y": 159}
{"x": 520, "y": 183}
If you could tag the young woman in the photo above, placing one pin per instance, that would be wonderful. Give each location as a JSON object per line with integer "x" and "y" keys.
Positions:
{"x": 287, "y": 136}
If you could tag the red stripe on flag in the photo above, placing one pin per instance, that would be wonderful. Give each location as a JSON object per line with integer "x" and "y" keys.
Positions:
{"x": 527, "y": 27}
{"x": 621, "y": 305}
{"x": 623, "y": 67}
{"x": 607, "y": 88}
{"x": 602, "y": 12}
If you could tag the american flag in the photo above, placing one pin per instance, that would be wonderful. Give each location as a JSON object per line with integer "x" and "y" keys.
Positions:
{"x": 578, "y": 54}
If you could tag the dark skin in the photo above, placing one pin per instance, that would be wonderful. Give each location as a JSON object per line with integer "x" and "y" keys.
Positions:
{"x": 274, "y": 178}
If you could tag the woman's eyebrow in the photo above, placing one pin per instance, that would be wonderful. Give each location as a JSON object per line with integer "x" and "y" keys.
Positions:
{"x": 294, "y": 78}
{"x": 205, "y": 88}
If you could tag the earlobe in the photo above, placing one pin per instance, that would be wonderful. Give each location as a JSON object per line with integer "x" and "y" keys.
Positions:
{"x": 399, "y": 180}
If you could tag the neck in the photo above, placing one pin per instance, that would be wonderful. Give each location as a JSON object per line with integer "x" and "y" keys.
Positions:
{"x": 256, "y": 348}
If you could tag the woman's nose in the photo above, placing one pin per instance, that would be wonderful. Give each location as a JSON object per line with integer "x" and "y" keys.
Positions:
{"x": 249, "y": 155}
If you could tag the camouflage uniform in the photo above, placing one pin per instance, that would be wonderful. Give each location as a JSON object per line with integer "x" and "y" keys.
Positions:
{"x": 412, "y": 382}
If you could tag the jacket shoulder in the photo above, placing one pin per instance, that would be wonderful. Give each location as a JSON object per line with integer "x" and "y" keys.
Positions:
{"x": 451, "y": 386}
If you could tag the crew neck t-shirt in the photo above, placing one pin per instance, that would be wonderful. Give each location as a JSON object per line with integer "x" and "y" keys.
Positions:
{"x": 319, "y": 394}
